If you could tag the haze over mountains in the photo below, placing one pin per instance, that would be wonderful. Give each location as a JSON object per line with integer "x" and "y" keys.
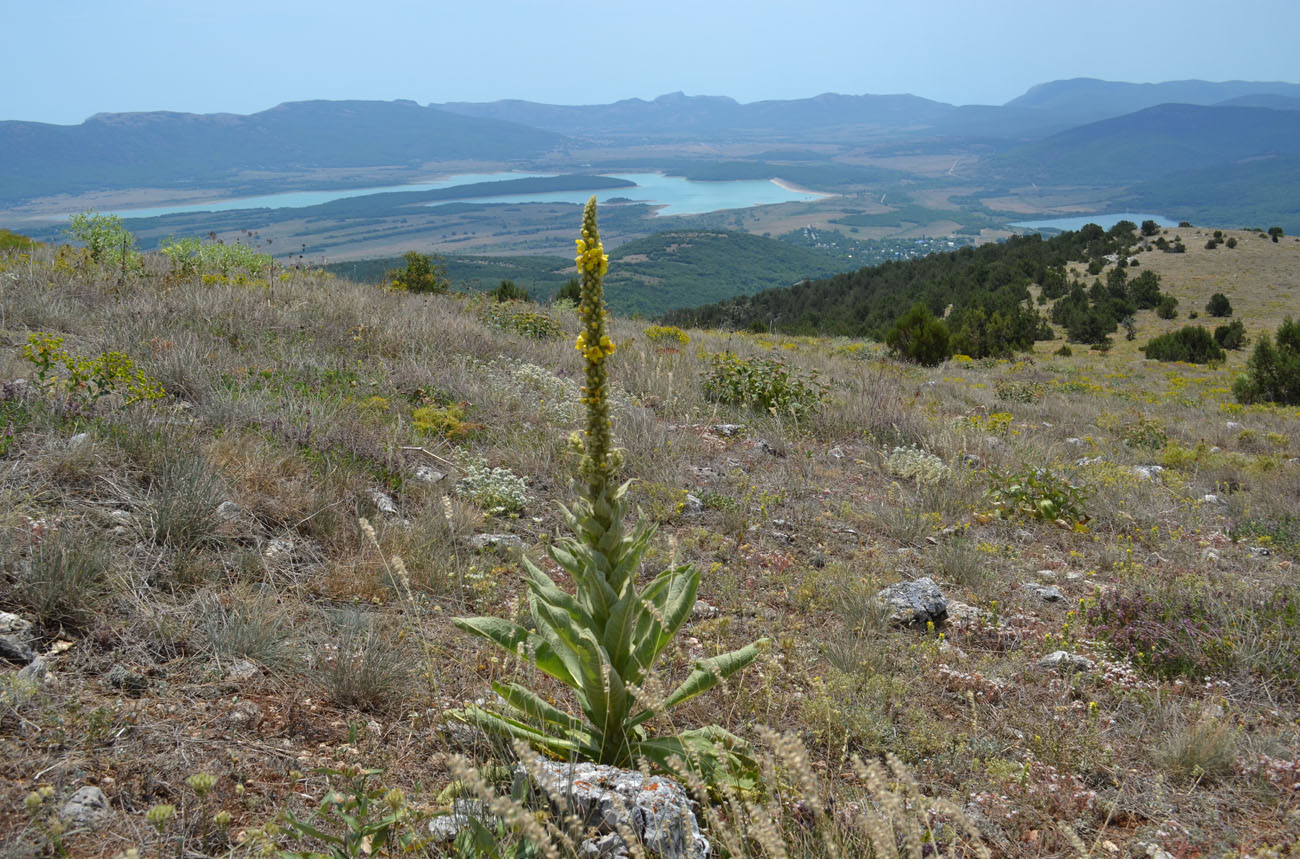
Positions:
{"x": 894, "y": 167}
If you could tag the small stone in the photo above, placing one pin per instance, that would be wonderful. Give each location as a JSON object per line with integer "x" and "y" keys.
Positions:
{"x": 782, "y": 537}
{"x": 970, "y": 460}
{"x": 1049, "y": 575}
{"x": 15, "y": 625}
{"x": 963, "y": 611}
{"x": 915, "y": 603}
{"x": 655, "y": 810}
{"x": 947, "y": 648}
{"x": 1088, "y": 460}
{"x": 1046, "y": 593}
{"x": 727, "y": 429}
{"x": 425, "y": 474}
{"x": 1075, "y": 442}
{"x": 1060, "y": 660}
{"x": 835, "y": 453}
{"x": 383, "y": 502}
{"x": 445, "y": 827}
{"x": 693, "y": 503}
{"x": 1233, "y": 425}
{"x": 131, "y": 682}
{"x": 37, "y": 672}
{"x": 480, "y": 542}
{"x": 279, "y": 549}
{"x": 242, "y": 669}
{"x": 1210, "y": 499}
{"x": 15, "y": 639}
{"x": 86, "y": 807}
{"x": 767, "y": 448}
{"x": 1261, "y": 551}
{"x": 1147, "y": 472}
{"x": 228, "y": 510}
{"x": 244, "y": 716}
{"x": 79, "y": 439}
{"x": 1210, "y": 556}
{"x": 703, "y": 610}
{"x": 123, "y": 517}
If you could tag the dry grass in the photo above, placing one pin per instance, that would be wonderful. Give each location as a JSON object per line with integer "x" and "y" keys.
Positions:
{"x": 293, "y": 399}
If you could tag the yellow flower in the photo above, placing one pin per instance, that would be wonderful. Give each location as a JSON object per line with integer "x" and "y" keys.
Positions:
{"x": 581, "y": 345}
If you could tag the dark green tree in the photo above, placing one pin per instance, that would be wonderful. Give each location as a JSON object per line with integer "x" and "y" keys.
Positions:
{"x": 423, "y": 273}
{"x": 1150, "y": 228}
{"x": 1168, "y": 306}
{"x": 508, "y": 290}
{"x": 1275, "y": 232}
{"x": 1144, "y": 290}
{"x": 1191, "y": 343}
{"x": 1231, "y": 336}
{"x": 918, "y": 337}
{"x": 1273, "y": 371}
{"x": 1218, "y": 305}
{"x": 571, "y": 291}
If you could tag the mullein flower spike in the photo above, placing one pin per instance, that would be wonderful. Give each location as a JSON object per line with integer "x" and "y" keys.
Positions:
{"x": 603, "y": 639}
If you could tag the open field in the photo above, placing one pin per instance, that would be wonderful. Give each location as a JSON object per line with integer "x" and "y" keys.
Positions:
{"x": 213, "y": 577}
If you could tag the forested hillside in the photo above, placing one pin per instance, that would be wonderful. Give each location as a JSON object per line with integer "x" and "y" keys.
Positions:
{"x": 984, "y": 291}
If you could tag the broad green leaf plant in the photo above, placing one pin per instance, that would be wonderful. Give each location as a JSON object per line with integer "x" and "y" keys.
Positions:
{"x": 602, "y": 641}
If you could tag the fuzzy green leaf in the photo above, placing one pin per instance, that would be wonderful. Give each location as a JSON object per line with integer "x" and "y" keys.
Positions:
{"x": 710, "y": 672}
{"x": 509, "y": 636}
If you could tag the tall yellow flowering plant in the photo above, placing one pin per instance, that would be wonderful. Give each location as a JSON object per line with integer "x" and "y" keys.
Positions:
{"x": 603, "y": 640}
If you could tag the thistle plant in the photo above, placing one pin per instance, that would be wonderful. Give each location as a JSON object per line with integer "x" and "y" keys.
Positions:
{"x": 603, "y": 640}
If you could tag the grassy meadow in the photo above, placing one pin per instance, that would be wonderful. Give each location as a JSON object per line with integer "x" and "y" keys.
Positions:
{"x": 252, "y": 577}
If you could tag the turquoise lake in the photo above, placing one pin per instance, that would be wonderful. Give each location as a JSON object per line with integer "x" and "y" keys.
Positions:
{"x": 1078, "y": 222}
{"x": 676, "y": 195}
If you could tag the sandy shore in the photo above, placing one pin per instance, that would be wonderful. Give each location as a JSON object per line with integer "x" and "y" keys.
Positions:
{"x": 800, "y": 190}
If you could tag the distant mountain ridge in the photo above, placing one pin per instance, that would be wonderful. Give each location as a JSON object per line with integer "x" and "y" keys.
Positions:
{"x": 1153, "y": 142}
{"x": 1090, "y": 99}
{"x": 160, "y": 149}
{"x": 676, "y": 116}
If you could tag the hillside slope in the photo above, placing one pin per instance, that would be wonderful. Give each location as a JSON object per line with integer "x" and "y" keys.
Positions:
{"x": 243, "y": 592}
{"x": 1151, "y": 143}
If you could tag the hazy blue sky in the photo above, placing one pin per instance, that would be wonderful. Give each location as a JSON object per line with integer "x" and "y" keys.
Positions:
{"x": 67, "y": 59}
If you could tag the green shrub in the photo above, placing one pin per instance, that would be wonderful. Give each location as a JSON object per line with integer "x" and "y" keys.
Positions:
{"x": 497, "y": 490}
{"x": 108, "y": 242}
{"x": 1145, "y": 433}
{"x": 1168, "y": 307}
{"x": 666, "y": 335}
{"x": 1038, "y": 495}
{"x": 86, "y": 378}
{"x": 440, "y": 421}
{"x": 1273, "y": 371}
{"x": 918, "y": 337}
{"x": 423, "y": 273}
{"x": 522, "y": 319}
{"x": 1019, "y": 390}
{"x": 190, "y": 256}
{"x": 764, "y": 384}
{"x": 1191, "y": 343}
{"x": 1231, "y": 336}
{"x": 508, "y": 290}
{"x": 1218, "y": 305}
